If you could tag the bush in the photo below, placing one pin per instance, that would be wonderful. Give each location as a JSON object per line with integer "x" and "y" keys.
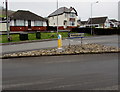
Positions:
{"x": 23, "y": 36}
{"x": 38, "y": 35}
{"x": 97, "y": 31}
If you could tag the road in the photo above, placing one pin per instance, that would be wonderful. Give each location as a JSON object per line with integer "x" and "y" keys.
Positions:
{"x": 74, "y": 72}
{"x": 111, "y": 40}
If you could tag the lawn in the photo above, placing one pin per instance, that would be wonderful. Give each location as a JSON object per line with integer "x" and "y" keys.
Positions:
{"x": 32, "y": 36}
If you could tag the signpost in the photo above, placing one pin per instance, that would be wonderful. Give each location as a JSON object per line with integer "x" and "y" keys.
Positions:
{"x": 76, "y": 35}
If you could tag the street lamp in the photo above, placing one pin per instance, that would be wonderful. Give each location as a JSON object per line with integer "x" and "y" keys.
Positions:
{"x": 8, "y": 34}
{"x": 57, "y": 16}
{"x": 91, "y": 15}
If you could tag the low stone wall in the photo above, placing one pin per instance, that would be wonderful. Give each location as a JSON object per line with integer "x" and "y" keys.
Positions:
{"x": 67, "y": 50}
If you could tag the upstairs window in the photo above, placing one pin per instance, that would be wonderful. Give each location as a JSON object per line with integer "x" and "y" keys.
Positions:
{"x": 65, "y": 15}
{"x": 72, "y": 15}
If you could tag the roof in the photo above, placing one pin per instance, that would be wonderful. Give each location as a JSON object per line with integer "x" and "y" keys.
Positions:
{"x": 113, "y": 20}
{"x": 3, "y": 20}
{"x": 83, "y": 22}
{"x": 26, "y": 15}
{"x": 97, "y": 20}
{"x": 61, "y": 11}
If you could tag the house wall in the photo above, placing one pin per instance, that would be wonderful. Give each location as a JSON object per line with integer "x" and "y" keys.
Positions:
{"x": 13, "y": 27}
{"x": 3, "y": 27}
{"x": 107, "y": 24}
{"x": 12, "y": 23}
{"x": 53, "y": 20}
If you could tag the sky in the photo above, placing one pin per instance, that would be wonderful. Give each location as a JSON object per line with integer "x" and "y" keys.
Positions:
{"x": 45, "y": 7}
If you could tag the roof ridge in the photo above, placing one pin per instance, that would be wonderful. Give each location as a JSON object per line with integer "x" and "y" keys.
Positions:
{"x": 60, "y": 10}
{"x": 28, "y": 15}
{"x": 99, "y": 17}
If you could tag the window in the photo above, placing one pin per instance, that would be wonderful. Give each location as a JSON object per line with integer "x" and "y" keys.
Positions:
{"x": 96, "y": 25}
{"x": 19, "y": 22}
{"x": 72, "y": 15}
{"x": 38, "y": 23}
{"x": 72, "y": 23}
{"x": 65, "y": 15}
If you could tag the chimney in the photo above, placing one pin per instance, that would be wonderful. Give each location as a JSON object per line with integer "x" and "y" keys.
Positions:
{"x": 71, "y": 8}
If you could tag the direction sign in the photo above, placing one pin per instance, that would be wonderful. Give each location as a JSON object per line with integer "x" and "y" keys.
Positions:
{"x": 76, "y": 35}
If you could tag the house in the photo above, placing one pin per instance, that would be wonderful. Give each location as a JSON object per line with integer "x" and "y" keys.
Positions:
{"x": 64, "y": 18}
{"x": 27, "y": 21}
{"x": 3, "y": 24}
{"x": 113, "y": 23}
{"x": 98, "y": 22}
{"x": 83, "y": 23}
{"x": 119, "y": 24}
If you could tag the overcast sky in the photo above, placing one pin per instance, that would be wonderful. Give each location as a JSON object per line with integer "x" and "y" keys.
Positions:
{"x": 45, "y": 7}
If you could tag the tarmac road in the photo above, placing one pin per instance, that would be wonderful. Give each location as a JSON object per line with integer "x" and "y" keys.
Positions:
{"x": 72, "y": 72}
{"x": 111, "y": 40}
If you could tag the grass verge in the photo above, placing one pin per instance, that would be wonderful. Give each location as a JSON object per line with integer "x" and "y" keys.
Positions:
{"x": 32, "y": 36}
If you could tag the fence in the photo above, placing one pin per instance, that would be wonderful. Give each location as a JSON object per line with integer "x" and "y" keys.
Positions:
{"x": 97, "y": 31}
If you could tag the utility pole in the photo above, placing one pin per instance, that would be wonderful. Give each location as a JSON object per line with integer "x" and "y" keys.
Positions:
{"x": 91, "y": 16}
{"x": 8, "y": 34}
{"x": 91, "y": 19}
{"x": 57, "y": 16}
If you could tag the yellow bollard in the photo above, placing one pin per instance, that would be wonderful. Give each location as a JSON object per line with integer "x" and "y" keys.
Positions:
{"x": 59, "y": 41}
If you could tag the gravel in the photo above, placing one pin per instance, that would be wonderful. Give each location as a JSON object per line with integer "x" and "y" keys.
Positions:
{"x": 66, "y": 50}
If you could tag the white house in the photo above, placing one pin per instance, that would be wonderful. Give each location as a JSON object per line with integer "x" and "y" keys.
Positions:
{"x": 3, "y": 24}
{"x": 23, "y": 20}
{"x": 64, "y": 18}
{"x": 98, "y": 22}
{"x": 113, "y": 23}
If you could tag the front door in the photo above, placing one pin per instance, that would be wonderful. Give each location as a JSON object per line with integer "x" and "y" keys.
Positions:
{"x": 29, "y": 23}
{"x": 65, "y": 24}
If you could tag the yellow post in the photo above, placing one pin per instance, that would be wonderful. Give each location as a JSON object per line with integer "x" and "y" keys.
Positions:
{"x": 59, "y": 41}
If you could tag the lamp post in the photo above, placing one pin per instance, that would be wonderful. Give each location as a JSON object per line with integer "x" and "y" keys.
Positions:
{"x": 57, "y": 16}
{"x": 91, "y": 15}
{"x": 8, "y": 34}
